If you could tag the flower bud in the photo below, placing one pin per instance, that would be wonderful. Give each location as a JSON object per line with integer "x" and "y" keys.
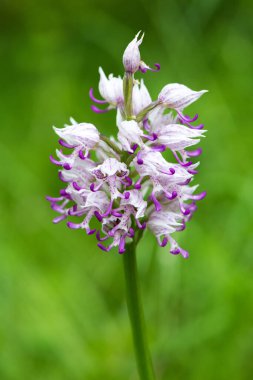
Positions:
{"x": 131, "y": 56}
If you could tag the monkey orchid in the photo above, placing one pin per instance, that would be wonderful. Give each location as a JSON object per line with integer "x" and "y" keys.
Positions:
{"x": 116, "y": 188}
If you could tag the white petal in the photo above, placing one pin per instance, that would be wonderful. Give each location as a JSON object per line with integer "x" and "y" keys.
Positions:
{"x": 163, "y": 222}
{"x": 177, "y": 96}
{"x": 83, "y": 134}
{"x": 111, "y": 166}
{"x": 136, "y": 200}
{"x": 129, "y": 133}
{"x": 111, "y": 88}
{"x": 79, "y": 197}
{"x": 80, "y": 172}
{"x": 158, "y": 118}
{"x": 99, "y": 199}
{"x": 141, "y": 97}
{"x": 178, "y": 137}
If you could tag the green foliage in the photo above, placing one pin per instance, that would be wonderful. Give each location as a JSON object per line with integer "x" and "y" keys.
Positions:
{"x": 62, "y": 305}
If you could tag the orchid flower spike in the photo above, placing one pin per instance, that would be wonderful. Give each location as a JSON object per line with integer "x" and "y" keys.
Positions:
{"x": 116, "y": 187}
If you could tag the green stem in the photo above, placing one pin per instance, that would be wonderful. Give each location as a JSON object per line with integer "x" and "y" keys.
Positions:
{"x": 128, "y": 82}
{"x": 136, "y": 315}
{"x": 145, "y": 110}
{"x": 110, "y": 143}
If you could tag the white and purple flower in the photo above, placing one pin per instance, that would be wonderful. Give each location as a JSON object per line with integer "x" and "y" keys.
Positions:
{"x": 117, "y": 187}
{"x": 111, "y": 90}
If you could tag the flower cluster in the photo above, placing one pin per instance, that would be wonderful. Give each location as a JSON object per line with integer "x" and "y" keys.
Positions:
{"x": 117, "y": 188}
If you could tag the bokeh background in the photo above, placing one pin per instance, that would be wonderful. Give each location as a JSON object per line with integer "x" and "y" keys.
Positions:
{"x": 62, "y": 306}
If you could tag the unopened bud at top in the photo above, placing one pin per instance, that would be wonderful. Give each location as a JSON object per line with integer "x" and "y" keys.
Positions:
{"x": 131, "y": 56}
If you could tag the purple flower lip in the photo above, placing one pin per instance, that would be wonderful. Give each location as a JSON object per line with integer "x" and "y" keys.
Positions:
{"x": 190, "y": 120}
{"x": 52, "y": 199}
{"x": 91, "y": 232}
{"x": 175, "y": 251}
{"x": 122, "y": 244}
{"x": 146, "y": 125}
{"x": 141, "y": 226}
{"x": 178, "y": 250}
{"x": 98, "y": 110}
{"x": 187, "y": 120}
{"x": 93, "y": 188}
{"x": 198, "y": 197}
{"x": 131, "y": 232}
{"x": 171, "y": 171}
{"x": 182, "y": 228}
{"x": 66, "y": 166}
{"x": 192, "y": 171}
{"x": 81, "y": 155}
{"x": 127, "y": 195}
{"x": 62, "y": 178}
{"x": 145, "y": 69}
{"x": 152, "y": 137}
{"x": 103, "y": 248}
{"x": 171, "y": 196}
{"x": 95, "y": 100}
{"x": 134, "y": 147}
{"x": 158, "y": 67}
{"x": 99, "y": 238}
{"x": 157, "y": 204}
{"x": 66, "y": 145}
{"x": 158, "y": 148}
{"x": 74, "y": 212}
{"x": 117, "y": 214}
{"x": 111, "y": 233}
{"x": 108, "y": 211}
{"x": 184, "y": 253}
{"x": 164, "y": 242}
{"x": 139, "y": 159}
{"x": 64, "y": 193}
{"x": 73, "y": 226}
{"x": 137, "y": 186}
{"x": 59, "y": 219}
{"x": 194, "y": 153}
{"x": 129, "y": 181}
{"x": 54, "y": 161}
{"x": 185, "y": 182}
{"x": 184, "y": 164}
{"x": 98, "y": 216}
{"x": 56, "y": 207}
{"x": 185, "y": 211}
{"x": 76, "y": 186}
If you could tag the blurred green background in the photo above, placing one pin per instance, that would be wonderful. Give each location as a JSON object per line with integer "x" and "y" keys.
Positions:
{"x": 62, "y": 306}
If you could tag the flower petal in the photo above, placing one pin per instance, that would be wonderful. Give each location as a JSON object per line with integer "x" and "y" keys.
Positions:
{"x": 177, "y": 96}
